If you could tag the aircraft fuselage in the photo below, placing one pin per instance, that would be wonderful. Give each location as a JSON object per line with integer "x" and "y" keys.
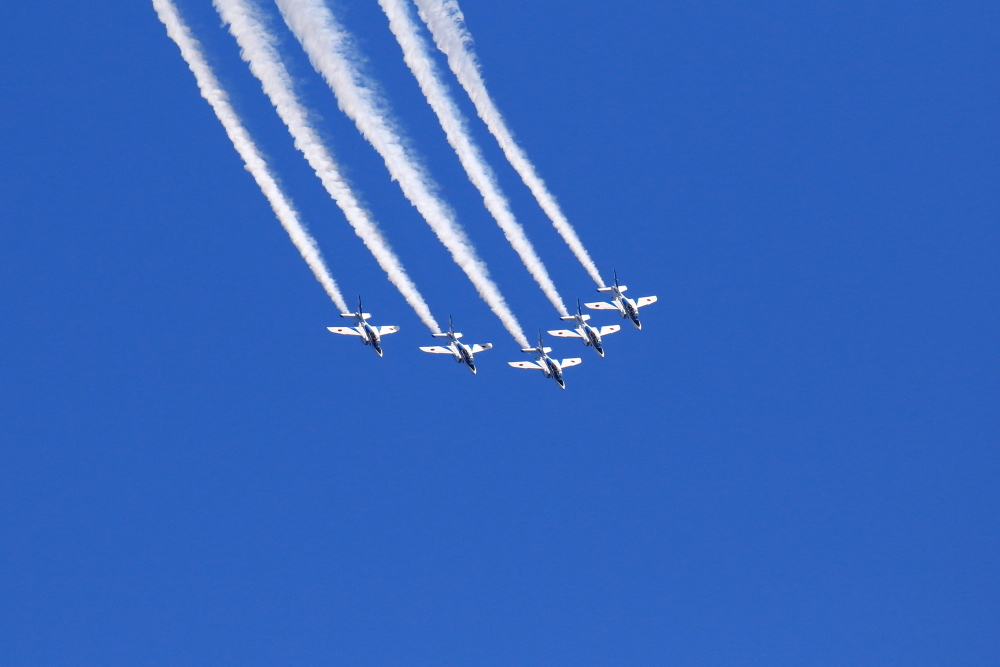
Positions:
{"x": 465, "y": 356}
{"x": 628, "y": 309}
{"x": 591, "y": 337}
{"x": 552, "y": 369}
{"x": 370, "y": 337}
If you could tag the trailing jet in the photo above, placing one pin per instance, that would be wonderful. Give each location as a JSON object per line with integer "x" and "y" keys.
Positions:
{"x": 548, "y": 366}
{"x": 369, "y": 335}
{"x": 628, "y": 308}
{"x": 464, "y": 354}
{"x": 591, "y": 335}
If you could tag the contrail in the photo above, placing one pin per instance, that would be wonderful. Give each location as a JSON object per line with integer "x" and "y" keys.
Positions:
{"x": 417, "y": 58}
{"x": 331, "y": 52}
{"x": 258, "y": 49}
{"x": 212, "y": 91}
{"x": 446, "y": 23}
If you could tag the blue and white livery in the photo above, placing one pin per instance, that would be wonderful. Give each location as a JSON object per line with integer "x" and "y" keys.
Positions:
{"x": 463, "y": 354}
{"x": 370, "y": 335}
{"x": 544, "y": 363}
{"x": 591, "y": 335}
{"x": 626, "y": 307}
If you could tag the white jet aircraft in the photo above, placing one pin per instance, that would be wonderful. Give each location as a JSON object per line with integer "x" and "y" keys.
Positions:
{"x": 591, "y": 335}
{"x": 464, "y": 354}
{"x": 626, "y": 307}
{"x": 369, "y": 335}
{"x": 548, "y": 366}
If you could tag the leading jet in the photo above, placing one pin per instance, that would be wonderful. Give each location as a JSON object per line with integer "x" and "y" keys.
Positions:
{"x": 464, "y": 354}
{"x": 591, "y": 335}
{"x": 625, "y": 306}
{"x": 369, "y": 335}
{"x": 547, "y": 365}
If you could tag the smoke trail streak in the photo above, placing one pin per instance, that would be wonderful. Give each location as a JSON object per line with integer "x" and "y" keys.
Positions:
{"x": 212, "y": 91}
{"x": 258, "y": 49}
{"x": 446, "y": 23}
{"x": 417, "y": 58}
{"x": 331, "y": 52}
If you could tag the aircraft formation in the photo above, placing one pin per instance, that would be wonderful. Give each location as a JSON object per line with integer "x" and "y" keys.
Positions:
{"x": 334, "y": 54}
{"x": 551, "y": 368}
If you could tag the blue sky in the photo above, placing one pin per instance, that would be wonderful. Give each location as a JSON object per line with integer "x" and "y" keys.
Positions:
{"x": 794, "y": 463}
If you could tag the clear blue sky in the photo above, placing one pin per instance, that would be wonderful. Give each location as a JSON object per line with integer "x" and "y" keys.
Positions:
{"x": 794, "y": 463}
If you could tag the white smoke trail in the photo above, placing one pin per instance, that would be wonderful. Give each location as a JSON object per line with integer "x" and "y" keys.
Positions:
{"x": 419, "y": 61}
{"x": 446, "y": 23}
{"x": 331, "y": 52}
{"x": 212, "y": 91}
{"x": 258, "y": 49}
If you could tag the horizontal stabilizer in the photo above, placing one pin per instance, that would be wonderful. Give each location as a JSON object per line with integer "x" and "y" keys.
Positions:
{"x": 364, "y": 316}
{"x": 621, "y": 288}
{"x": 384, "y": 331}
{"x": 441, "y": 335}
{"x": 575, "y": 361}
{"x": 609, "y": 329}
{"x": 564, "y": 333}
{"x": 525, "y": 364}
{"x": 601, "y": 305}
{"x": 644, "y": 301}
{"x": 346, "y": 331}
{"x": 437, "y": 350}
{"x": 476, "y": 349}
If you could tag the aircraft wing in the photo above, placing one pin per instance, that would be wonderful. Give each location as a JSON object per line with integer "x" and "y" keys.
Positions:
{"x": 525, "y": 364}
{"x": 575, "y": 361}
{"x": 564, "y": 333}
{"x": 476, "y": 349}
{"x": 437, "y": 349}
{"x": 383, "y": 331}
{"x": 347, "y": 331}
{"x": 610, "y": 329}
{"x": 601, "y": 305}
{"x": 644, "y": 301}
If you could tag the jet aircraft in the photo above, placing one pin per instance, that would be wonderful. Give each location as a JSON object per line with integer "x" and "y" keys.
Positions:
{"x": 369, "y": 335}
{"x": 463, "y": 354}
{"x": 591, "y": 335}
{"x": 547, "y": 365}
{"x": 626, "y": 307}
